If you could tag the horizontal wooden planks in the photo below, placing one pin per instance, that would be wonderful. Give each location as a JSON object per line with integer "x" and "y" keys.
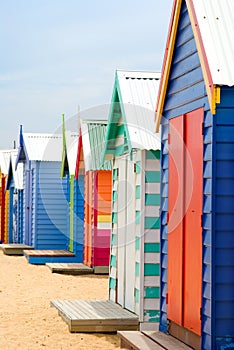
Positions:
{"x": 14, "y": 249}
{"x": 70, "y": 268}
{"x": 137, "y": 341}
{"x": 48, "y": 253}
{"x": 92, "y": 316}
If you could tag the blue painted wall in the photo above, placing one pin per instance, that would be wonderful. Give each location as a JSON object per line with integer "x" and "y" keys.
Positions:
{"x": 49, "y": 220}
{"x": 186, "y": 92}
{"x": 20, "y": 216}
{"x": 223, "y": 222}
{"x": 79, "y": 217}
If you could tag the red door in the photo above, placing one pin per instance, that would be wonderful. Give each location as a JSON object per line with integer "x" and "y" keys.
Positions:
{"x": 184, "y": 225}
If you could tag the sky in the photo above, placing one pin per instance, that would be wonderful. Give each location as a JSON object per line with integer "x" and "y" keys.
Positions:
{"x": 58, "y": 54}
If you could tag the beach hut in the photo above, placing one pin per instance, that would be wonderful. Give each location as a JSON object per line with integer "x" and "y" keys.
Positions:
{"x": 195, "y": 109}
{"x": 14, "y": 185}
{"x": 134, "y": 147}
{"x": 75, "y": 193}
{"x": 97, "y": 194}
{"x": 4, "y": 195}
{"x": 45, "y": 198}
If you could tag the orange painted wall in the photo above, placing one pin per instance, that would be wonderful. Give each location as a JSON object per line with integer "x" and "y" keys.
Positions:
{"x": 98, "y": 195}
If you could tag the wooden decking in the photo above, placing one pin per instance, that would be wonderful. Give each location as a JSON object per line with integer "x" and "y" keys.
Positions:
{"x": 14, "y": 249}
{"x": 95, "y": 316}
{"x": 48, "y": 253}
{"x": 135, "y": 340}
{"x": 41, "y": 257}
{"x": 70, "y": 268}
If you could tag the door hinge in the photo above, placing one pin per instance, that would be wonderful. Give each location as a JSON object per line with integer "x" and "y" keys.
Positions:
{"x": 168, "y": 216}
{"x": 200, "y": 313}
{"x": 169, "y": 139}
{"x": 135, "y": 167}
{"x": 167, "y": 298}
{"x": 201, "y": 220}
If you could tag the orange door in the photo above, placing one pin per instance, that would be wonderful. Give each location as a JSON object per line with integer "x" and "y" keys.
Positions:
{"x": 192, "y": 220}
{"x": 175, "y": 223}
{"x": 184, "y": 225}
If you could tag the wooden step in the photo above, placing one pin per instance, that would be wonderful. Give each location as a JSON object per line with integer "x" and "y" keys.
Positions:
{"x": 95, "y": 316}
{"x": 48, "y": 253}
{"x": 70, "y": 268}
{"x": 135, "y": 340}
{"x": 14, "y": 248}
{"x": 166, "y": 340}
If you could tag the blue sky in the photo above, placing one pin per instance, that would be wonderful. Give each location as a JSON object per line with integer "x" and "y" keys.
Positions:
{"x": 56, "y": 54}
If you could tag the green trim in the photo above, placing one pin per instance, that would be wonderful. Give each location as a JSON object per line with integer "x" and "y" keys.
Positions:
{"x": 153, "y": 154}
{"x": 114, "y": 218}
{"x": 152, "y": 222}
{"x": 114, "y": 196}
{"x": 138, "y": 167}
{"x": 112, "y": 283}
{"x": 152, "y": 292}
{"x": 137, "y": 295}
{"x": 152, "y": 315}
{"x": 152, "y": 176}
{"x": 137, "y": 243}
{"x": 138, "y": 217}
{"x": 71, "y": 215}
{"x": 152, "y": 199}
{"x": 152, "y": 247}
{"x": 151, "y": 269}
{"x": 137, "y": 267}
{"x": 115, "y": 174}
{"x": 114, "y": 239}
{"x": 113, "y": 260}
{"x": 138, "y": 192}
{"x": 120, "y": 130}
{"x": 117, "y": 86}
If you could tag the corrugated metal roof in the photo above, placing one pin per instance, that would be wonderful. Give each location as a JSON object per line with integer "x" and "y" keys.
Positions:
{"x": 93, "y": 135}
{"x": 43, "y": 147}
{"x": 216, "y": 22}
{"x": 72, "y": 147}
{"x": 17, "y": 174}
{"x": 138, "y": 94}
{"x": 5, "y": 160}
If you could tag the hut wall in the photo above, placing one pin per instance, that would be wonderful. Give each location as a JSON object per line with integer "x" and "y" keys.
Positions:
{"x": 102, "y": 218}
{"x": 49, "y": 207}
{"x": 186, "y": 92}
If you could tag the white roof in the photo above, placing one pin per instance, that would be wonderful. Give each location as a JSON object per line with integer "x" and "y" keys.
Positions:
{"x": 72, "y": 147}
{"x": 43, "y": 147}
{"x": 5, "y": 160}
{"x": 17, "y": 174}
{"x": 139, "y": 92}
{"x": 216, "y": 22}
{"x": 86, "y": 144}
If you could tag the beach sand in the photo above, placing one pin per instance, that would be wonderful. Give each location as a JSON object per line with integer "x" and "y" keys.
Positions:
{"x": 27, "y": 322}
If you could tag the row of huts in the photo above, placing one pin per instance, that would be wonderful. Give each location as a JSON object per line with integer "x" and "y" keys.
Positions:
{"x": 148, "y": 195}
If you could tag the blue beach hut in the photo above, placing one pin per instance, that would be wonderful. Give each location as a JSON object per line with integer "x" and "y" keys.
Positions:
{"x": 44, "y": 199}
{"x": 195, "y": 109}
{"x": 75, "y": 193}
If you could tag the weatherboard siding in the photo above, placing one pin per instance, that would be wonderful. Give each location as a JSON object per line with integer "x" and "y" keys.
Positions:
{"x": 186, "y": 92}
{"x": 223, "y": 222}
{"x": 79, "y": 217}
{"x": 151, "y": 238}
{"x": 50, "y": 216}
{"x": 114, "y": 234}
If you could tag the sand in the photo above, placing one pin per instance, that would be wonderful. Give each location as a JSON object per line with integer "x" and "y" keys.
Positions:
{"x": 27, "y": 322}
